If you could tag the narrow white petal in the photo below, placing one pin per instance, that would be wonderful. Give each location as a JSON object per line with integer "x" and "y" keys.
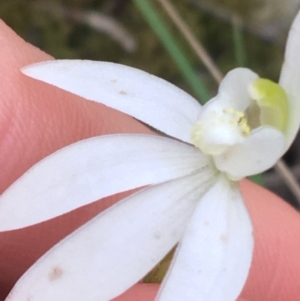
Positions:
{"x": 92, "y": 169}
{"x": 116, "y": 249}
{"x": 290, "y": 79}
{"x": 233, "y": 90}
{"x": 214, "y": 256}
{"x": 129, "y": 90}
{"x": 259, "y": 152}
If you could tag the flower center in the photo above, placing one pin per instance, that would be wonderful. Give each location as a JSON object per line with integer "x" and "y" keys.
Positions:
{"x": 219, "y": 127}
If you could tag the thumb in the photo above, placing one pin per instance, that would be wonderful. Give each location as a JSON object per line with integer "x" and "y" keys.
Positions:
{"x": 36, "y": 120}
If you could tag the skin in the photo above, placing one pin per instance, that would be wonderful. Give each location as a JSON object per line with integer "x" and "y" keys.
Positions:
{"x": 36, "y": 119}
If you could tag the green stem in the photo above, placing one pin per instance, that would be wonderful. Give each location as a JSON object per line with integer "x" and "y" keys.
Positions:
{"x": 238, "y": 42}
{"x": 173, "y": 49}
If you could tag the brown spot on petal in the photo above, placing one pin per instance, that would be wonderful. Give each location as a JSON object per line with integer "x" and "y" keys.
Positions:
{"x": 223, "y": 238}
{"x": 55, "y": 273}
{"x": 122, "y": 92}
{"x": 157, "y": 235}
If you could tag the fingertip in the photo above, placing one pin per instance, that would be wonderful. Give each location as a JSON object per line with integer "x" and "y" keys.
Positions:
{"x": 139, "y": 292}
{"x": 144, "y": 292}
{"x": 37, "y": 119}
{"x": 14, "y": 51}
{"x": 276, "y": 265}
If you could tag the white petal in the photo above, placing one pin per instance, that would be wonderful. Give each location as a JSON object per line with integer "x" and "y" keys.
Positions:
{"x": 92, "y": 169}
{"x": 233, "y": 90}
{"x": 116, "y": 249}
{"x": 259, "y": 152}
{"x": 214, "y": 256}
{"x": 129, "y": 90}
{"x": 290, "y": 80}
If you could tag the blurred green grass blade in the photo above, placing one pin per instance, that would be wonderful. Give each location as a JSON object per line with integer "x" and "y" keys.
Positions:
{"x": 239, "y": 43}
{"x": 173, "y": 49}
{"x": 258, "y": 179}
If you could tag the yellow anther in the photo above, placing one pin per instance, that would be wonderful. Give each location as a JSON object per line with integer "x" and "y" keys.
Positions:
{"x": 239, "y": 119}
{"x": 245, "y": 128}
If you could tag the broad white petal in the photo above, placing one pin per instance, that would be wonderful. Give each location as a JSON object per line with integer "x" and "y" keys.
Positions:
{"x": 234, "y": 90}
{"x": 259, "y": 152}
{"x": 116, "y": 249}
{"x": 129, "y": 90}
{"x": 290, "y": 80}
{"x": 214, "y": 256}
{"x": 92, "y": 169}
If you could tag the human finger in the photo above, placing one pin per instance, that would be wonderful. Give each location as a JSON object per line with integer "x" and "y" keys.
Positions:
{"x": 36, "y": 120}
{"x": 275, "y": 268}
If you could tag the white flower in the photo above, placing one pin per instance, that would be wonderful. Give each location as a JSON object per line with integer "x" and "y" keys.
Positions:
{"x": 191, "y": 195}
